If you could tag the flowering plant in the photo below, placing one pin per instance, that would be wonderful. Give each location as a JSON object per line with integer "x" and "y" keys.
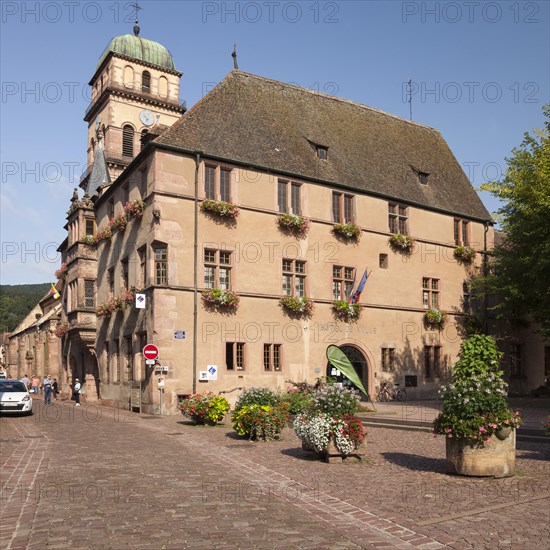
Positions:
{"x": 299, "y": 398}
{"x": 117, "y": 223}
{"x": 315, "y": 430}
{"x": 298, "y": 305}
{"x": 116, "y": 303}
{"x": 220, "y": 208}
{"x": 61, "y": 273}
{"x": 401, "y": 243}
{"x": 474, "y": 402}
{"x": 464, "y": 254}
{"x": 216, "y": 297}
{"x": 61, "y": 329}
{"x": 293, "y": 223}
{"x": 435, "y": 318}
{"x": 256, "y": 396}
{"x": 344, "y": 311}
{"x": 336, "y": 400}
{"x": 257, "y": 422}
{"x": 205, "y": 407}
{"x": 348, "y": 231}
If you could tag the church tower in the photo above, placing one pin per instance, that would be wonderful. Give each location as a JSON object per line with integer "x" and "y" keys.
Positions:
{"x": 135, "y": 87}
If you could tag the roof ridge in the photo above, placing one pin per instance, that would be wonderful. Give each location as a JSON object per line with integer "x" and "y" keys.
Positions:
{"x": 333, "y": 97}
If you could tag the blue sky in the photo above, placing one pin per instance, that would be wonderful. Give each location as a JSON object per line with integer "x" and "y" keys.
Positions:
{"x": 480, "y": 72}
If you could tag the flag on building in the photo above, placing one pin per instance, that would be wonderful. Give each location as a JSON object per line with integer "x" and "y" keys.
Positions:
{"x": 357, "y": 294}
{"x": 55, "y": 293}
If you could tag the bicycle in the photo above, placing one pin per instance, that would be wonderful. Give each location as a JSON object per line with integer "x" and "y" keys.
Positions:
{"x": 388, "y": 393}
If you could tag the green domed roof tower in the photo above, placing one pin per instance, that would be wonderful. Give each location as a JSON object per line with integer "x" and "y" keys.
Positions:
{"x": 148, "y": 51}
{"x": 135, "y": 91}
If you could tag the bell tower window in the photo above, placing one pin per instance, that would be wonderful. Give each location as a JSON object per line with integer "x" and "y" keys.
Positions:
{"x": 127, "y": 141}
{"x": 146, "y": 81}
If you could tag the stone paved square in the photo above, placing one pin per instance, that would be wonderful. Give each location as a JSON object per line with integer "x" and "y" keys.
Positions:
{"x": 97, "y": 477}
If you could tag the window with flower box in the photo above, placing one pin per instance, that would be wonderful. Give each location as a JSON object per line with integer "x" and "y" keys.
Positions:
{"x": 272, "y": 357}
{"x": 217, "y": 269}
{"x": 388, "y": 359}
{"x": 289, "y": 197}
{"x": 342, "y": 282}
{"x": 461, "y": 232}
{"x": 235, "y": 356}
{"x": 90, "y": 227}
{"x": 432, "y": 362}
{"x": 294, "y": 277}
{"x": 430, "y": 293}
{"x": 342, "y": 207}
{"x": 398, "y": 218}
{"x": 217, "y": 183}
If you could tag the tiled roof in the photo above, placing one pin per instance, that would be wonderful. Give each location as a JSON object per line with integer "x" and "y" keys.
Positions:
{"x": 261, "y": 122}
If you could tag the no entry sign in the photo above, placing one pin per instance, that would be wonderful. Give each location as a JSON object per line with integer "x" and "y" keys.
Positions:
{"x": 150, "y": 351}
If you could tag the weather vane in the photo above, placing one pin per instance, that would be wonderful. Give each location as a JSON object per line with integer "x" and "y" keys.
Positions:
{"x": 234, "y": 56}
{"x": 136, "y": 7}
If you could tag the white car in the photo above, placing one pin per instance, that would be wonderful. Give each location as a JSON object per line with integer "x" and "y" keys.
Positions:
{"x": 14, "y": 397}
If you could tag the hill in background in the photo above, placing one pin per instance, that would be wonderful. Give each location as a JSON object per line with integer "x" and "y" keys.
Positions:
{"x": 16, "y": 301}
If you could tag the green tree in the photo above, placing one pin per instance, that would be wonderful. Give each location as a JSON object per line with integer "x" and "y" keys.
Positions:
{"x": 520, "y": 270}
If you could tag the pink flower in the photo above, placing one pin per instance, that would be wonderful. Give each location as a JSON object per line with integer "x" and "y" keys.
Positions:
{"x": 482, "y": 430}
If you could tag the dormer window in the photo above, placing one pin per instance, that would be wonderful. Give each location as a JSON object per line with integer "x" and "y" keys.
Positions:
{"x": 322, "y": 152}
{"x": 146, "y": 82}
{"x": 423, "y": 178}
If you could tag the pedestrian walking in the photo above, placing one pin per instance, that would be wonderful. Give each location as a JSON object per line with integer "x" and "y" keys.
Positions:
{"x": 55, "y": 388}
{"x": 26, "y": 381}
{"x": 76, "y": 392}
{"x": 35, "y": 381}
{"x": 47, "y": 390}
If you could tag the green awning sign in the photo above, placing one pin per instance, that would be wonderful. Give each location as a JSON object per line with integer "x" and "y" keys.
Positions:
{"x": 338, "y": 359}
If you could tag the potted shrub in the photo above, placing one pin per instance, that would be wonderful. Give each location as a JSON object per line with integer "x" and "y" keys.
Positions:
{"x": 220, "y": 299}
{"x": 293, "y": 224}
{"x": 299, "y": 306}
{"x": 344, "y": 311}
{"x": 330, "y": 426}
{"x": 205, "y": 408}
{"x": 259, "y": 414}
{"x": 220, "y": 208}
{"x": 401, "y": 243}
{"x": 464, "y": 254}
{"x": 347, "y": 231}
{"x": 435, "y": 318}
{"x": 476, "y": 421}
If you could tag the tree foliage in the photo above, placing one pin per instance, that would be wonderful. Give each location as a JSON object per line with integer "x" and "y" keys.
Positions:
{"x": 520, "y": 273}
{"x": 16, "y": 301}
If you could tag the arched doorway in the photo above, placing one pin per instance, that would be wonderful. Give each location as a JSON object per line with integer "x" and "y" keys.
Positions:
{"x": 360, "y": 364}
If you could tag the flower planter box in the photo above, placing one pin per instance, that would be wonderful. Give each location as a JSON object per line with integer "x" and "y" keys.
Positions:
{"x": 495, "y": 458}
{"x": 334, "y": 456}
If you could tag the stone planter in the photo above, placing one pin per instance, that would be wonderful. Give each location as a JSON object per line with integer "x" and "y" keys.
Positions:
{"x": 496, "y": 458}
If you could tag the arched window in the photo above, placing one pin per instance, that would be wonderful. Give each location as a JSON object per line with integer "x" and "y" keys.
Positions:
{"x": 92, "y": 146}
{"x": 146, "y": 81}
{"x": 128, "y": 76}
{"x": 144, "y": 132}
{"x": 163, "y": 86}
{"x": 127, "y": 141}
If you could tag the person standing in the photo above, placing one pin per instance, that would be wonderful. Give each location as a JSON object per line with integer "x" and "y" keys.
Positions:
{"x": 35, "y": 384}
{"x": 26, "y": 381}
{"x": 76, "y": 393}
{"x": 47, "y": 390}
{"x": 55, "y": 388}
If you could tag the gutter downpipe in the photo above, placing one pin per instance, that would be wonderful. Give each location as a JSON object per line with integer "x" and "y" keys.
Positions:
{"x": 485, "y": 274}
{"x": 195, "y": 267}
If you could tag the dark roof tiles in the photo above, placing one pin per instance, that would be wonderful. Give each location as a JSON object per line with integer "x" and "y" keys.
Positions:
{"x": 257, "y": 121}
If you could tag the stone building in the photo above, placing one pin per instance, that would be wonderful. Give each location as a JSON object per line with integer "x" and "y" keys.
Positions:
{"x": 242, "y": 228}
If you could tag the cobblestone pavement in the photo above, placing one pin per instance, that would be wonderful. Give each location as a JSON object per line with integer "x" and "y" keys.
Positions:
{"x": 93, "y": 477}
